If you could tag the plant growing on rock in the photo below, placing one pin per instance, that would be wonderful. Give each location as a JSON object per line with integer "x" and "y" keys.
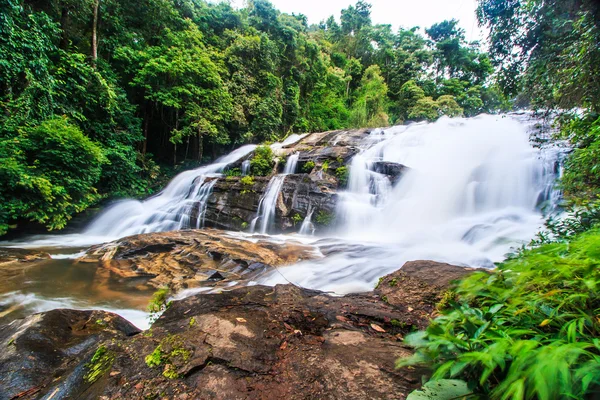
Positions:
{"x": 262, "y": 163}
{"x": 297, "y": 218}
{"x": 100, "y": 364}
{"x": 342, "y": 174}
{"x": 308, "y": 166}
{"x": 247, "y": 180}
{"x": 233, "y": 172}
{"x": 158, "y": 304}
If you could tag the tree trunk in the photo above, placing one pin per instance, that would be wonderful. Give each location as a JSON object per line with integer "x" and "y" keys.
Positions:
{"x": 64, "y": 25}
{"x": 200, "y": 147}
{"x": 95, "y": 32}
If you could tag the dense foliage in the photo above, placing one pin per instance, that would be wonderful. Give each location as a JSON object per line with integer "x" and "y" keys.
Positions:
{"x": 529, "y": 329}
{"x": 184, "y": 81}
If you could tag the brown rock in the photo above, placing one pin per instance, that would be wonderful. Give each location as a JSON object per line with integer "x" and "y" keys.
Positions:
{"x": 192, "y": 258}
{"x": 418, "y": 287}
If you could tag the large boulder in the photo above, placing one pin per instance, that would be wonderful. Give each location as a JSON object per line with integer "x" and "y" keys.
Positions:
{"x": 50, "y": 355}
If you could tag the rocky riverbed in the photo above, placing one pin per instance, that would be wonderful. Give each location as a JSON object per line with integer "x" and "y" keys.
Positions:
{"x": 253, "y": 342}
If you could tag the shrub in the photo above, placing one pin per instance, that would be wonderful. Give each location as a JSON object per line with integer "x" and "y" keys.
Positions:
{"x": 233, "y": 172}
{"x": 297, "y": 218}
{"x": 247, "y": 180}
{"x": 48, "y": 174}
{"x": 526, "y": 330}
{"x": 308, "y": 166}
{"x": 581, "y": 178}
{"x": 262, "y": 162}
{"x": 342, "y": 174}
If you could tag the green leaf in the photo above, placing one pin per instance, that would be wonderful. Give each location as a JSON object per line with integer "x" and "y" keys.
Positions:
{"x": 443, "y": 389}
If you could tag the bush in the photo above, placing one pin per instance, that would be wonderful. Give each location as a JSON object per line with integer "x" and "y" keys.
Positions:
{"x": 233, "y": 172}
{"x": 342, "y": 173}
{"x": 247, "y": 180}
{"x": 262, "y": 162}
{"x": 308, "y": 166}
{"x": 526, "y": 330}
{"x": 48, "y": 173}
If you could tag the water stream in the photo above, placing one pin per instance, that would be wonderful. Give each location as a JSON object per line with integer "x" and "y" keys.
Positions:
{"x": 473, "y": 189}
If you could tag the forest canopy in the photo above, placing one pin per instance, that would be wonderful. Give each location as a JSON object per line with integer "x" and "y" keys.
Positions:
{"x": 121, "y": 87}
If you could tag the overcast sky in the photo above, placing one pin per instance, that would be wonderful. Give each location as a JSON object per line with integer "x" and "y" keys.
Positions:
{"x": 399, "y": 13}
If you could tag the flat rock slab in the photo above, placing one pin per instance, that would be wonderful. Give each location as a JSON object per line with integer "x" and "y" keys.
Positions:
{"x": 194, "y": 258}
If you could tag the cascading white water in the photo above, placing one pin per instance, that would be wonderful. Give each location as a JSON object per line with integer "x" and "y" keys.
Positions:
{"x": 307, "y": 227}
{"x": 170, "y": 209}
{"x": 291, "y": 164}
{"x": 268, "y": 204}
{"x": 245, "y": 167}
{"x": 473, "y": 190}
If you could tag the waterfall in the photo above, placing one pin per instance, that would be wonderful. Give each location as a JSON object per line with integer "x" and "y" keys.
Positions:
{"x": 268, "y": 204}
{"x": 474, "y": 188}
{"x": 171, "y": 209}
{"x": 307, "y": 228}
{"x": 245, "y": 167}
{"x": 291, "y": 164}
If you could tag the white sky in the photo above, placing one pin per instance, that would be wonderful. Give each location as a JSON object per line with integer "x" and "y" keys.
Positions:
{"x": 399, "y": 13}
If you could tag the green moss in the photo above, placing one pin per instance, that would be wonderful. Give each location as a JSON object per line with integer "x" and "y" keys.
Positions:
{"x": 154, "y": 359}
{"x": 342, "y": 174}
{"x": 379, "y": 282}
{"x": 192, "y": 321}
{"x": 100, "y": 364}
{"x": 308, "y": 166}
{"x": 393, "y": 282}
{"x": 170, "y": 372}
{"x": 325, "y": 166}
{"x": 158, "y": 304}
{"x": 399, "y": 324}
{"x": 11, "y": 341}
{"x": 384, "y": 299}
{"x": 244, "y": 225}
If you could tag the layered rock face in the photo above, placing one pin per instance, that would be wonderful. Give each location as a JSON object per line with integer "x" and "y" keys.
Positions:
{"x": 250, "y": 343}
{"x": 322, "y": 171}
{"x": 192, "y": 258}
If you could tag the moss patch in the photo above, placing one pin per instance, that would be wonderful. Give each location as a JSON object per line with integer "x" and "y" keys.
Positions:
{"x": 100, "y": 364}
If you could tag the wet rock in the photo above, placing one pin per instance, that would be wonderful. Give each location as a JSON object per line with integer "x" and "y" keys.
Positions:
{"x": 419, "y": 286}
{"x": 46, "y": 354}
{"x": 233, "y": 204}
{"x": 11, "y": 255}
{"x": 194, "y": 258}
{"x": 393, "y": 171}
{"x": 254, "y": 342}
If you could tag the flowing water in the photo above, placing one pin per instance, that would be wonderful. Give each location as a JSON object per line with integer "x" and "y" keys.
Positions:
{"x": 267, "y": 205}
{"x": 291, "y": 164}
{"x": 474, "y": 189}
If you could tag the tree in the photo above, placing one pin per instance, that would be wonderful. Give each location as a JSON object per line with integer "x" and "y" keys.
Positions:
{"x": 48, "y": 173}
{"x": 180, "y": 76}
{"x": 369, "y": 108}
